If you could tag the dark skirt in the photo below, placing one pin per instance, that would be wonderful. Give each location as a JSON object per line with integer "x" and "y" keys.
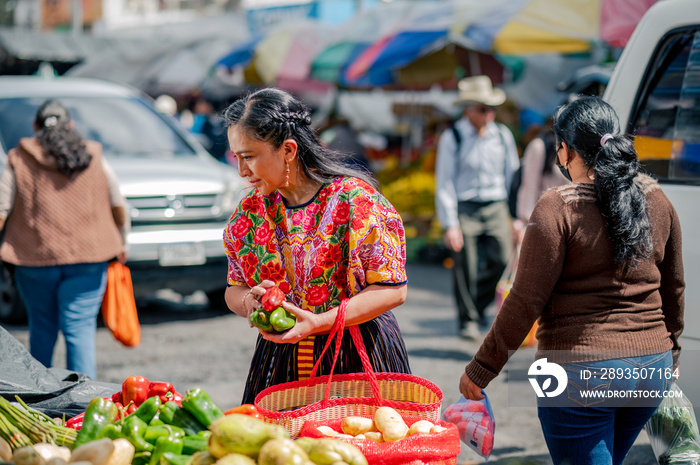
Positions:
{"x": 277, "y": 363}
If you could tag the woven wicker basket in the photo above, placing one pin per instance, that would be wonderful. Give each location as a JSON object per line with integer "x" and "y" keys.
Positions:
{"x": 332, "y": 397}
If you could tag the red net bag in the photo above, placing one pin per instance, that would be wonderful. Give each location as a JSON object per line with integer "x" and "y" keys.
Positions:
{"x": 434, "y": 448}
{"x": 333, "y": 397}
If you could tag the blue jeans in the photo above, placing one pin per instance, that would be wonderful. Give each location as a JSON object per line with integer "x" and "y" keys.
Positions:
{"x": 580, "y": 430}
{"x": 66, "y": 298}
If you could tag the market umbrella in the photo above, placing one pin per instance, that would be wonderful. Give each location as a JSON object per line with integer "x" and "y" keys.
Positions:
{"x": 498, "y": 27}
{"x": 285, "y": 54}
{"x": 429, "y": 28}
{"x": 356, "y": 35}
{"x": 547, "y": 26}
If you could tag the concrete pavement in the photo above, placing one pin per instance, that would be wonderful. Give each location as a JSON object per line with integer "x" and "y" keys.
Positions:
{"x": 211, "y": 348}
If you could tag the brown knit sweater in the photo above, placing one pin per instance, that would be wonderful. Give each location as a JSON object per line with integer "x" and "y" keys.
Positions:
{"x": 587, "y": 306}
{"x": 56, "y": 219}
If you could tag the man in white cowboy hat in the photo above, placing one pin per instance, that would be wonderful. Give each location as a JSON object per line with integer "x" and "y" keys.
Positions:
{"x": 476, "y": 159}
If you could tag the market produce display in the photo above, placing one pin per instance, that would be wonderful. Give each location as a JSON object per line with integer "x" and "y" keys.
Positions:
{"x": 272, "y": 317}
{"x": 158, "y": 426}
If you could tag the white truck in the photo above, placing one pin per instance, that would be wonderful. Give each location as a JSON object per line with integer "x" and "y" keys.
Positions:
{"x": 655, "y": 90}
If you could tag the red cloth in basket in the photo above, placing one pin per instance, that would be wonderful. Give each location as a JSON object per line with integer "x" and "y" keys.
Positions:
{"x": 330, "y": 397}
{"x": 434, "y": 448}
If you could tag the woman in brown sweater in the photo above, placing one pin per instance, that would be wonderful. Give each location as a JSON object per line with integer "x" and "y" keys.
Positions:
{"x": 601, "y": 269}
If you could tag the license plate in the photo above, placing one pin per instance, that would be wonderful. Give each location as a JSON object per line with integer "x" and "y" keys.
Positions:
{"x": 182, "y": 254}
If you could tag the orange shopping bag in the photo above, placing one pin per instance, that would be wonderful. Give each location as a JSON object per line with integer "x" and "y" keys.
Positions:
{"x": 119, "y": 307}
{"x": 503, "y": 288}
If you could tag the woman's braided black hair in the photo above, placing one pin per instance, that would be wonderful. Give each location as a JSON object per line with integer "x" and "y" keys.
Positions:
{"x": 613, "y": 159}
{"x": 59, "y": 139}
{"x": 273, "y": 115}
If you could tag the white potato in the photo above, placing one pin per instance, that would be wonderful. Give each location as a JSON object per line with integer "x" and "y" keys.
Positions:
{"x": 375, "y": 436}
{"x": 390, "y": 423}
{"x": 327, "y": 430}
{"x": 437, "y": 429}
{"x": 357, "y": 425}
{"x": 421, "y": 426}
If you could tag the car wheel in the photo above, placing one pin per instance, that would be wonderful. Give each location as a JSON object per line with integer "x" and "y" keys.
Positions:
{"x": 11, "y": 306}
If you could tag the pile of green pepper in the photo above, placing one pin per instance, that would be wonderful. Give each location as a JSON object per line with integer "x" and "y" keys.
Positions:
{"x": 158, "y": 430}
{"x": 272, "y": 317}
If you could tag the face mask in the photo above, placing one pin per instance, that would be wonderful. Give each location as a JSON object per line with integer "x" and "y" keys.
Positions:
{"x": 564, "y": 171}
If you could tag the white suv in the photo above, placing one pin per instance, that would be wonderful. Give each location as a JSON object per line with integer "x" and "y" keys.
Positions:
{"x": 179, "y": 196}
{"x": 655, "y": 90}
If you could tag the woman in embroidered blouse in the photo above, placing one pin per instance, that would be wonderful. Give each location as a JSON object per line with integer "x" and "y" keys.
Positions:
{"x": 319, "y": 230}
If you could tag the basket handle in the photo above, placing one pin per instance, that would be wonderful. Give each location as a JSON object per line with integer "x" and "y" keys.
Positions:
{"x": 337, "y": 331}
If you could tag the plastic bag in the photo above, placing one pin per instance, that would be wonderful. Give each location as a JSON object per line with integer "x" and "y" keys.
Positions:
{"x": 119, "y": 307}
{"x": 475, "y": 422}
{"x": 673, "y": 430}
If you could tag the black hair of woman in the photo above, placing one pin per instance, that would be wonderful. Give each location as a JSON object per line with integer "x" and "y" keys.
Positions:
{"x": 272, "y": 115}
{"x": 58, "y": 138}
{"x": 591, "y": 127}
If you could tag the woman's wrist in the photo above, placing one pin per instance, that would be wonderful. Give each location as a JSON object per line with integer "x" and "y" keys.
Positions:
{"x": 243, "y": 302}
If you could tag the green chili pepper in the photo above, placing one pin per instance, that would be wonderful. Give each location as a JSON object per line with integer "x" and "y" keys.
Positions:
{"x": 134, "y": 429}
{"x": 156, "y": 420}
{"x": 205, "y": 433}
{"x": 100, "y": 412}
{"x": 261, "y": 319}
{"x": 169, "y": 458}
{"x": 113, "y": 431}
{"x": 192, "y": 444}
{"x": 282, "y": 320}
{"x": 200, "y": 405}
{"x": 148, "y": 409}
{"x": 154, "y": 432}
{"x": 173, "y": 414}
{"x": 141, "y": 458}
{"x": 165, "y": 444}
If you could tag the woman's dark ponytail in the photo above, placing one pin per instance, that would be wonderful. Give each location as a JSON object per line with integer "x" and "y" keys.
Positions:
{"x": 590, "y": 126}
{"x": 59, "y": 140}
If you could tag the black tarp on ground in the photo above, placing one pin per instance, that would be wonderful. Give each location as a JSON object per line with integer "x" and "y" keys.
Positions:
{"x": 54, "y": 391}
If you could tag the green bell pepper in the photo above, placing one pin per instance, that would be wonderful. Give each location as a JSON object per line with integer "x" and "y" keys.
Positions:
{"x": 173, "y": 414}
{"x": 261, "y": 319}
{"x": 200, "y": 405}
{"x": 134, "y": 429}
{"x": 281, "y": 320}
{"x": 165, "y": 444}
{"x": 169, "y": 458}
{"x": 156, "y": 420}
{"x": 99, "y": 413}
{"x": 148, "y": 409}
{"x": 154, "y": 432}
{"x": 113, "y": 431}
{"x": 192, "y": 444}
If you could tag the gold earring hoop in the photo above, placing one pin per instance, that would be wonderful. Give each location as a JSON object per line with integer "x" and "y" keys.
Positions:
{"x": 286, "y": 181}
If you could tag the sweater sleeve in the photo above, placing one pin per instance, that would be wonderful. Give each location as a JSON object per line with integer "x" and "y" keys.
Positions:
{"x": 543, "y": 248}
{"x": 445, "y": 190}
{"x": 673, "y": 284}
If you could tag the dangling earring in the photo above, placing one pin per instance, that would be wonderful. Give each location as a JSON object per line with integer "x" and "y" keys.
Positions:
{"x": 286, "y": 181}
